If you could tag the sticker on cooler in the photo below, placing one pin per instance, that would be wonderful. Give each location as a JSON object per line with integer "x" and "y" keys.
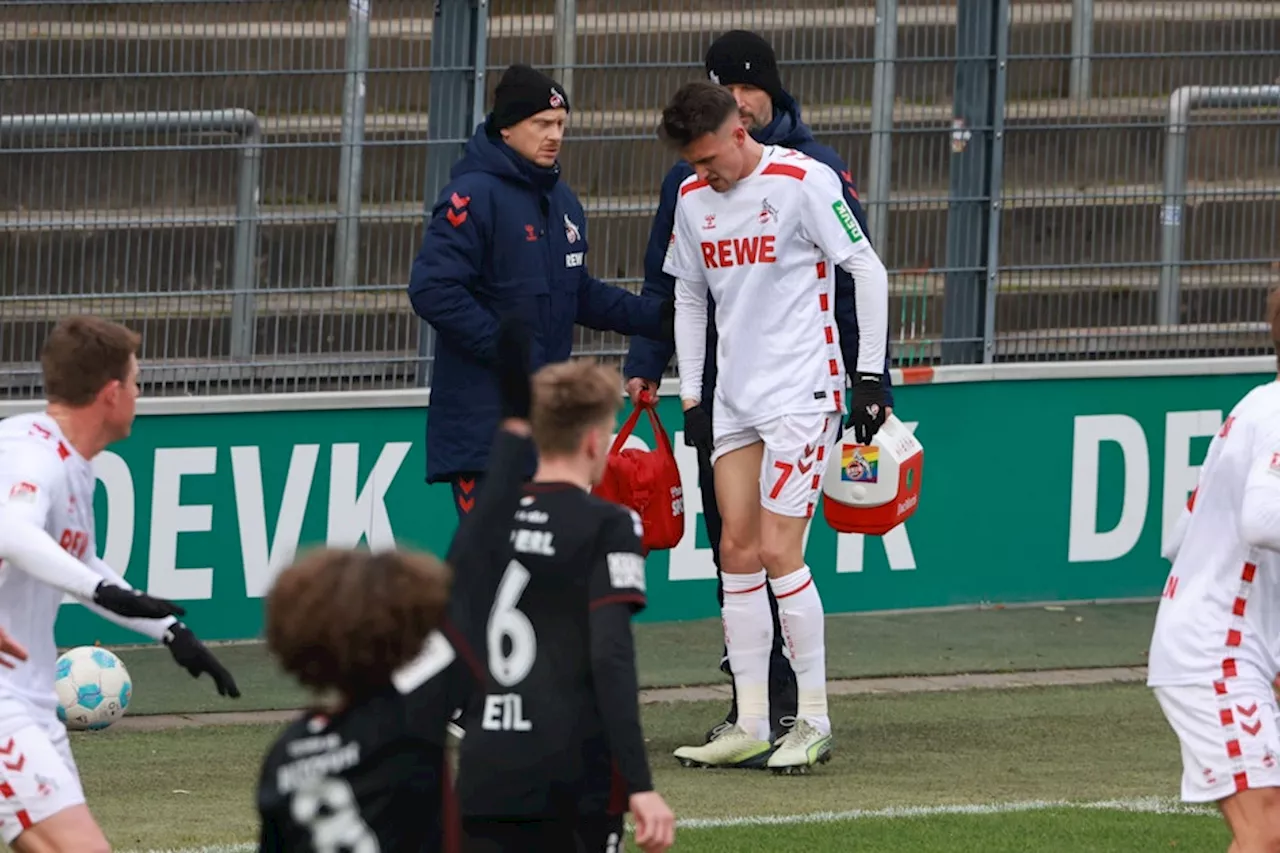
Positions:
{"x": 872, "y": 488}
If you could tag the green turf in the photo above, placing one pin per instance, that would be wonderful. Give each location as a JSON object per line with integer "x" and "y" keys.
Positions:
{"x": 685, "y": 653}
{"x": 1083, "y": 743}
{"x": 182, "y": 787}
{"x": 926, "y": 643}
{"x": 1077, "y": 744}
{"x": 1050, "y": 831}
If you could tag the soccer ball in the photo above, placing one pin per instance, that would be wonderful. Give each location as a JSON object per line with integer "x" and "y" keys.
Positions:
{"x": 93, "y": 687}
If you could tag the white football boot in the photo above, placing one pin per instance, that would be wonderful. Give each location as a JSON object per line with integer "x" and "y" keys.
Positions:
{"x": 733, "y": 746}
{"x": 801, "y": 748}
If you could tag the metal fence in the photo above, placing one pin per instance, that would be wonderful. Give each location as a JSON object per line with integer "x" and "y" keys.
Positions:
{"x": 244, "y": 180}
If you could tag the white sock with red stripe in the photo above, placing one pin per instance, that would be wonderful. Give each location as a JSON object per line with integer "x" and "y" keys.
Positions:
{"x": 748, "y": 634}
{"x": 804, "y": 631}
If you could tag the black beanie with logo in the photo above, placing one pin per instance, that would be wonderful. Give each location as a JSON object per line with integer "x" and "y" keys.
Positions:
{"x": 740, "y": 56}
{"x": 524, "y": 91}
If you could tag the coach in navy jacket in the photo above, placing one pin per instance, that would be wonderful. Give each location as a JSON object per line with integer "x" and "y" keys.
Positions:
{"x": 508, "y": 237}
{"x": 745, "y": 62}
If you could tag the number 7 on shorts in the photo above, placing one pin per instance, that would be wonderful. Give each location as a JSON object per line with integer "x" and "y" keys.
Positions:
{"x": 786, "y": 468}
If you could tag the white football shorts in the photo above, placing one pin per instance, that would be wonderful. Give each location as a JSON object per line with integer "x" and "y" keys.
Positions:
{"x": 1228, "y": 732}
{"x": 795, "y": 458}
{"x": 38, "y": 776}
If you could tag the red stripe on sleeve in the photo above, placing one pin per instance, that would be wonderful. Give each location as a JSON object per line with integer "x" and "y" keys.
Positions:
{"x": 785, "y": 169}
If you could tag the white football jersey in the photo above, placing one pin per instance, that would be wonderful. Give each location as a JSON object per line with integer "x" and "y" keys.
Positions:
{"x": 1220, "y": 609}
{"x": 767, "y": 250}
{"x": 51, "y": 485}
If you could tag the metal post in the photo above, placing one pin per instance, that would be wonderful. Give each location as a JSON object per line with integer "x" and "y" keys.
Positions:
{"x": 1181, "y": 103}
{"x": 244, "y": 326}
{"x": 967, "y": 223}
{"x": 244, "y": 274}
{"x": 565, "y": 44}
{"x": 995, "y": 182}
{"x": 455, "y": 43}
{"x": 480, "y": 92}
{"x": 346, "y": 245}
{"x": 882, "y": 120}
{"x": 1081, "y": 48}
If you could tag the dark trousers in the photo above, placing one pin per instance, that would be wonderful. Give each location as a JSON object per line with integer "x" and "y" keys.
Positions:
{"x": 519, "y": 836}
{"x": 782, "y": 679}
{"x": 586, "y": 834}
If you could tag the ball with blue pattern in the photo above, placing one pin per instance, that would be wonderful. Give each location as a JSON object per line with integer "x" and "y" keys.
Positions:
{"x": 93, "y": 686}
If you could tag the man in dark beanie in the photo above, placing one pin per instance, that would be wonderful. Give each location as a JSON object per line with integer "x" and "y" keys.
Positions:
{"x": 744, "y": 63}
{"x": 507, "y": 237}
{"x": 741, "y": 58}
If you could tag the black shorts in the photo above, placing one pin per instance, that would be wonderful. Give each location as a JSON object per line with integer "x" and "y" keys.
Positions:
{"x": 596, "y": 834}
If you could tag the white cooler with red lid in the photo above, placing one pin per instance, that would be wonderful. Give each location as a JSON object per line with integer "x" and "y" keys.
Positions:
{"x": 873, "y": 488}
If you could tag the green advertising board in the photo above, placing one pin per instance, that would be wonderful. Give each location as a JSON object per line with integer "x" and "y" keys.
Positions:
{"x": 1055, "y": 489}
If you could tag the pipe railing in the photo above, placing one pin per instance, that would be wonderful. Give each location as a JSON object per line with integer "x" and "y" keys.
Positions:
{"x": 244, "y": 270}
{"x": 1181, "y": 103}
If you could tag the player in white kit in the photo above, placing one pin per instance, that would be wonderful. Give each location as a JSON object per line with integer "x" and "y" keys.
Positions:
{"x": 1215, "y": 652}
{"x": 47, "y": 548}
{"x": 760, "y": 229}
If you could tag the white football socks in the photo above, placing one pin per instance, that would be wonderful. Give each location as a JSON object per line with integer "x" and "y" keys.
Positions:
{"x": 748, "y": 634}
{"x": 804, "y": 631}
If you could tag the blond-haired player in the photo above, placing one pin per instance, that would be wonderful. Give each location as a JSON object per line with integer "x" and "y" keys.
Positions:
{"x": 760, "y": 229}
{"x": 1215, "y": 651}
{"x": 554, "y": 752}
{"x": 47, "y": 549}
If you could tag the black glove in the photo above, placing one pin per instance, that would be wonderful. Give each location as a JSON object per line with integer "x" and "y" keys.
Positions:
{"x": 513, "y": 369}
{"x": 866, "y": 407}
{"x": 133, "y": 604}
{"x": 697, "y": 429}
{"x": 667, "y": 316}
{"x": 192, "y": 656}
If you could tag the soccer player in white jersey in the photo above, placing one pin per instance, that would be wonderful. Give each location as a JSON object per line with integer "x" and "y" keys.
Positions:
{"x": 760, "y": 229}
{"x": 47, "y": 548}
{"x": 1215, "y": 652}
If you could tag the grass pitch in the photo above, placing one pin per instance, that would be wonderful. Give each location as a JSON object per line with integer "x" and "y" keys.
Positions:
{"x": 1052, "y": 830}
{"x": 982, "y": 770}
{"x": 688, "y": 653}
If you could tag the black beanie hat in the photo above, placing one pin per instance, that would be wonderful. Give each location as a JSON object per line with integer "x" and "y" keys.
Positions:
{"x": 743, "y": 57}
{"x": 524, "y": 91}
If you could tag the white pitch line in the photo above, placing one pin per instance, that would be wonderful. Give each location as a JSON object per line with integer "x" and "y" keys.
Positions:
{"x": 1142, "y": 805}
{"x": 1147, "y": 805}
{"x": 217, "y": 848}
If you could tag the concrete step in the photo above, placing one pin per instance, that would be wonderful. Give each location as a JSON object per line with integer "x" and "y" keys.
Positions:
{"x": 626, "y": 60}
{"x": 168, "y": 374}
{"x": 328, "y": 322}
{"x": 190, "y": 249}
{"x": 1096, "y": 142}
{"x": 1136, "y": 341}
{"x": 214, "y": 11}
{"x": 184, "y": 376}
{"x": 194, "y": 326}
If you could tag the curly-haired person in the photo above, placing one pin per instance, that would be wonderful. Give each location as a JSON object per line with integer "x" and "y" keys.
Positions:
{"x": 364, "y": 768}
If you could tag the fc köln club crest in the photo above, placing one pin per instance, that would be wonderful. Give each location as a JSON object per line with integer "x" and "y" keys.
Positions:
{"x": 571, "y": 231}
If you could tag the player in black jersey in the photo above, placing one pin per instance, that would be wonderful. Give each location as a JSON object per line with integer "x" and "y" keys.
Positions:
{"x": 553, "y": 754}
{"x": 353, "y": 773}
{"x": 364, "y": 770}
